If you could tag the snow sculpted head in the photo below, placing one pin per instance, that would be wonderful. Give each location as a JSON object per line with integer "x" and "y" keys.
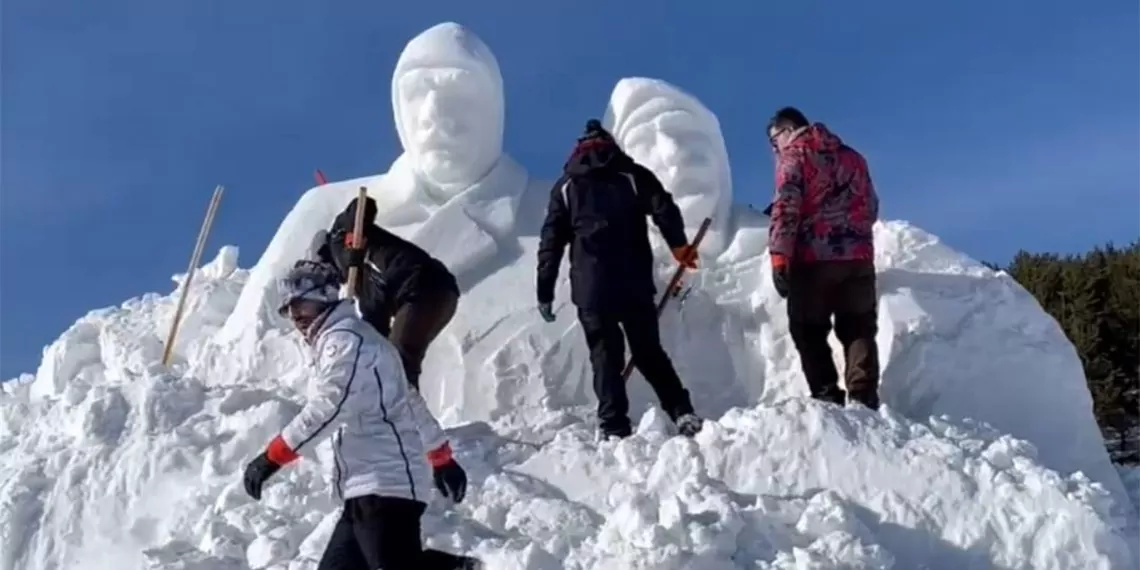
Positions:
{"x": 671, "y": 133}
{"x": 447, "y": 97}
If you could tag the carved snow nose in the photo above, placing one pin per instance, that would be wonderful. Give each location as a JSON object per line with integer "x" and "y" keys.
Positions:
{"x": 679, "y": 154}
{"x": 431, "y": 116}
{"x": 667, "y": 145}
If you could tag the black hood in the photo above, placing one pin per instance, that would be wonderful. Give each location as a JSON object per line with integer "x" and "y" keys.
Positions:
{"x": 595, "y": 149}
{"x": 591, "y": 155}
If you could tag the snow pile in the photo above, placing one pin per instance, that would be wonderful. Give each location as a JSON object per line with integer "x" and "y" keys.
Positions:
{"x": 985, "y": 455}
{"x": 140, "y": 468}
{"x": 94, "y": 445}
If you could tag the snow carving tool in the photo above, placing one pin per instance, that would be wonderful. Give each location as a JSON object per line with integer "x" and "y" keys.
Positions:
{"x": 673, "y": 289}
{"x": 320, "y": 176}
{"x": 357, "y": 238}
{"x": 195, "y": 257}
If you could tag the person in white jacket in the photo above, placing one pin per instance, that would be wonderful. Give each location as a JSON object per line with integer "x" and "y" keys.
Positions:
{"x": 381, "y": 432}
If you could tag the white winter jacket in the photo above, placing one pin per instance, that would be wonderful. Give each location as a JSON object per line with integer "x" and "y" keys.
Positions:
{"x": 381, "y": 426}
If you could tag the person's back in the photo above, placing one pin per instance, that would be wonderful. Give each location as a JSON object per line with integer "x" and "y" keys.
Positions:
{"x": 402, "y": 291}
{"x": 607, "y": 197}
{"x": 598, "y": 208}
{"x": 839, "y": 206}
{"x": 822, "y": 246}
{"x": 399, "y": 270}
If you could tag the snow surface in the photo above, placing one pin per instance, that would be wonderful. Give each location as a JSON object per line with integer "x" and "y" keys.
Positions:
{"x": 986, "y": 454}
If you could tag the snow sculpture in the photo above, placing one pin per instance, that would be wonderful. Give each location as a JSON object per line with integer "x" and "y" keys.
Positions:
{"x": 107, "y": 456}
{"x": 453, "y": 191}
{"x": 671, "y": 133}
{"x": 1004, "y": 343}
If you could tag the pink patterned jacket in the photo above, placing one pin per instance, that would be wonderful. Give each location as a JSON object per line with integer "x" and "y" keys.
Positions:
{"x": 825, "y": 204}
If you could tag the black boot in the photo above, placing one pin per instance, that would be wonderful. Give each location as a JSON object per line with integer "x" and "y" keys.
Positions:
{"x": 869, "y": 398}
{"x": 833, "y": 394}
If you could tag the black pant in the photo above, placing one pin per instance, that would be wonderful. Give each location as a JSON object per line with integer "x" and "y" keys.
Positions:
{"x": 415, "y": 326}
{"x": 603, "y": 331}
{"x": 845, "y": 290}
{"x": 382, "y": 533}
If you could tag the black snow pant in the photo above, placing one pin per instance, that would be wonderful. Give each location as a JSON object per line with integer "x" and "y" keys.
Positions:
{"x": 603, "y": 330}
{"x": 845, "y": 290}
{"x": 382, "y": 533}
{"x": 415, "y": 326}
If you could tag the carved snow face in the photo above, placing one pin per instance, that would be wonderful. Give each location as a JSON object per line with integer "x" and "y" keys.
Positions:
{"x": 671, "y": 133}
{"x": 448, "y": 103}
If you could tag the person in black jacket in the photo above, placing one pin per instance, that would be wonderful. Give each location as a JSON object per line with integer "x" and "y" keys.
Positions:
{"x": 598, "y": 207}
{"x": 405, "y": 293}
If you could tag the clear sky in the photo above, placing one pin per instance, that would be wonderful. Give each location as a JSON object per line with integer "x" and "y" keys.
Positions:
{"x": 997, "y": 125}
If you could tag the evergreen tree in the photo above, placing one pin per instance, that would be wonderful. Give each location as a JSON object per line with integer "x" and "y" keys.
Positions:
{"x": 1096, "y": 299}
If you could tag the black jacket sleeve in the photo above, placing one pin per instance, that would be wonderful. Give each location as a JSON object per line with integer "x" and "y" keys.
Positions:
{"x": 660, "y": 205}
{"x": 554, "y": 237}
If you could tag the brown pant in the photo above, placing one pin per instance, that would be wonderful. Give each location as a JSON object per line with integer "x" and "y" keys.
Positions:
{"x": 845, "y": 290}
{"x": 415, "y": 326}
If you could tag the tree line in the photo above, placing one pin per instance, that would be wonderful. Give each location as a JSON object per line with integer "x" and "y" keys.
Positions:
{"x": 1095, "y": 297}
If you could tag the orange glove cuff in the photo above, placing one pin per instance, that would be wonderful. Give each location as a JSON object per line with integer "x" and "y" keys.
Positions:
{"x": 279, "y": 452}
{"x": 779, "y": 260}
{"x": 440, "y": 456}
{"x": 350, "y": 243}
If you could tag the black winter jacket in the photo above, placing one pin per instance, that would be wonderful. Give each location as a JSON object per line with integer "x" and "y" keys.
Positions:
{"x": 598, "y": 207}
{"x": 395, "y": 272}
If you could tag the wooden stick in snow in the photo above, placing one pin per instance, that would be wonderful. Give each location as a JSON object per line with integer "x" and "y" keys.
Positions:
{"x": 674, "y": 283}
{"x": 194, "y": 259}
{"x": 357, "y": 237}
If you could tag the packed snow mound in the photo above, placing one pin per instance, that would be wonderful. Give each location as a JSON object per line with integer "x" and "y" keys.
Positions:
{"x": 108, "y": 456}
{"x": 955, "y": 337}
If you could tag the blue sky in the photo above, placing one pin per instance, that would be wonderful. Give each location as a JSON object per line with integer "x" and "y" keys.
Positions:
{"x": 997, "y": 125}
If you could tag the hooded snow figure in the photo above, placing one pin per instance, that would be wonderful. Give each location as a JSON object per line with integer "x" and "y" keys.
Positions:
{"x": 672, "y": 134}
{"x": 447, "y": 98}
{"x": 453, "y": 192}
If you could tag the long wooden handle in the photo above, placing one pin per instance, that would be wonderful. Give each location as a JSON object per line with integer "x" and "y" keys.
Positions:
{"x": 357, "y": 236}
{"x": 673, "y": 283}
{"x": 203, "y": 232}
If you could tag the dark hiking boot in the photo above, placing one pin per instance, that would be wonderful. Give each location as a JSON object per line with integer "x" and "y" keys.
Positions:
{"x": 607, "y": 432}
{"x": 468, "y": 563}
{"x": 833, "y": 394}
{"x": 689, "y": 425}
{"x": 868, "y": 398}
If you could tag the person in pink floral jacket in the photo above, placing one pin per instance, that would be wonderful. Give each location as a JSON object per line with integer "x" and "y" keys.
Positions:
{"x": 823, "y": 254}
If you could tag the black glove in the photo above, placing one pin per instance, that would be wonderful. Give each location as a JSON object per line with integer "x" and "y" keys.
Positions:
{"x": 451, "y": 480}
{"x": 356, "y": 257}
{"x": 257, "y": 473}
{"x": 781, "y": 280}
